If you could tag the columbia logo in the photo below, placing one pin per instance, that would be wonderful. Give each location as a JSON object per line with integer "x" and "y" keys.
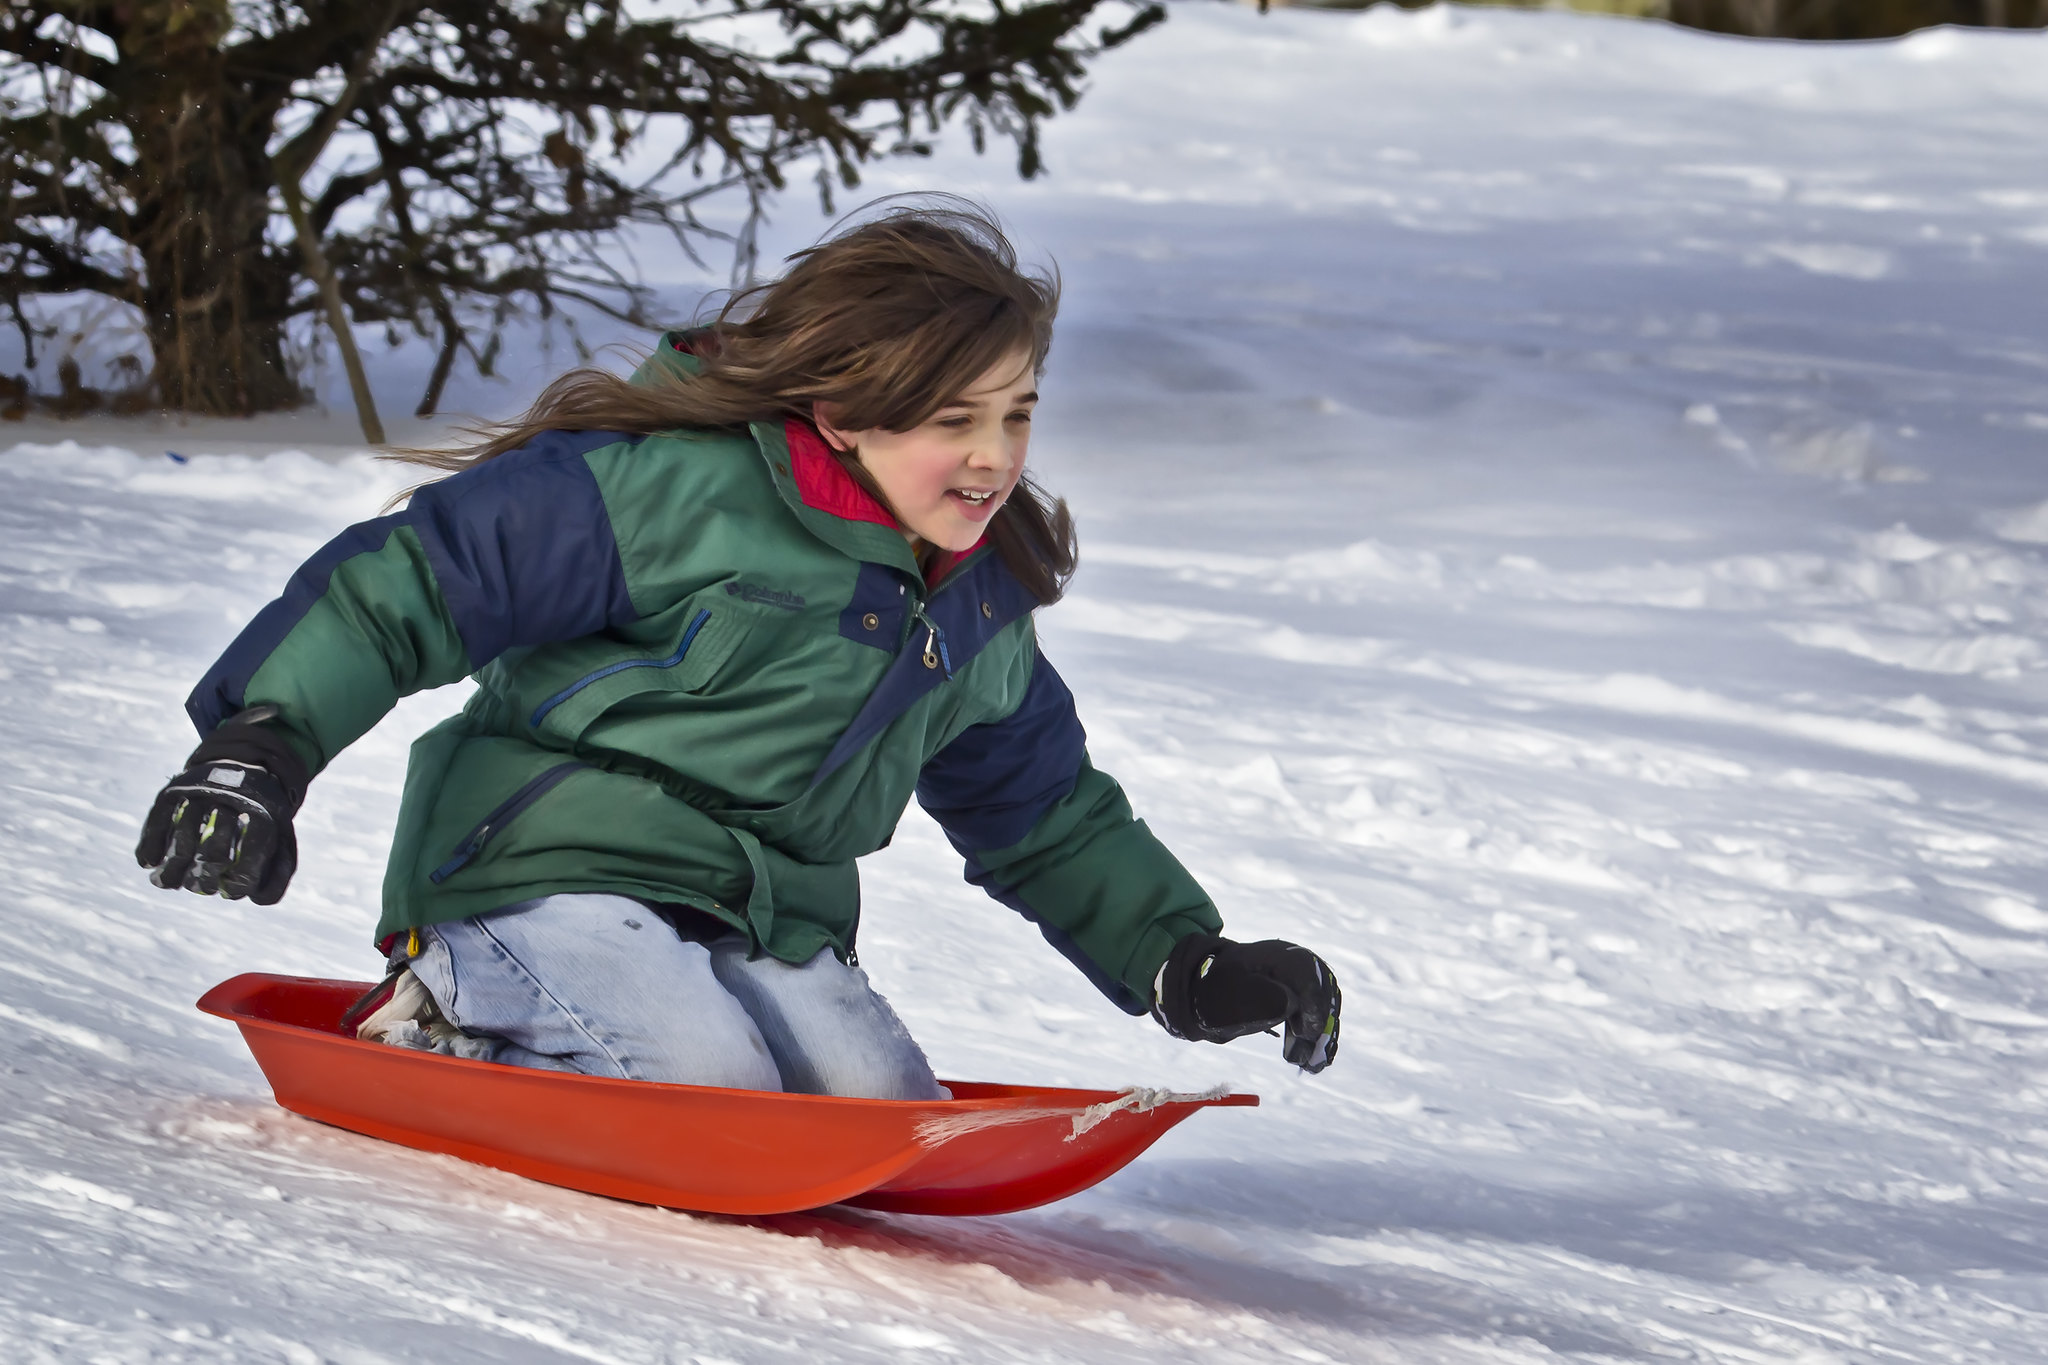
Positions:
{"x": 771, "y": 597}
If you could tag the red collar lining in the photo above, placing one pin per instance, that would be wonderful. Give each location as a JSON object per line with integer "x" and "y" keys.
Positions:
{"x": 822, "y": 482}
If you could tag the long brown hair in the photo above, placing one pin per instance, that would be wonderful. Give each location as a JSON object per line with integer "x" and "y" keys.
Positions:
{"x": 886, "y": 320}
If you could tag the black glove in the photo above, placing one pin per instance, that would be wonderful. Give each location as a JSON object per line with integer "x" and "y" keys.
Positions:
{"x": 1214, "y": 990}
{"x": 225, "y": 823}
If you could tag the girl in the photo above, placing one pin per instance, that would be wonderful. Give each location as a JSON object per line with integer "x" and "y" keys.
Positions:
{"x": 724, "y": 617}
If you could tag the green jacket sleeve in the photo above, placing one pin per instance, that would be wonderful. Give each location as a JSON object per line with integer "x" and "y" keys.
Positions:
{"x": 1052, "y": 837}
{"x": 516, "y": 551}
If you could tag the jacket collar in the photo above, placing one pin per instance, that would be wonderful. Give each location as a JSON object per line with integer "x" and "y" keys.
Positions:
{"x": 822, "y": 482}
{"x": 823, "y": 485}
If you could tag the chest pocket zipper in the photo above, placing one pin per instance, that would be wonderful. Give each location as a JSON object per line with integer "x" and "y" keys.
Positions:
{"x": 689, "y": 637}
{"x": 503, "y": 814}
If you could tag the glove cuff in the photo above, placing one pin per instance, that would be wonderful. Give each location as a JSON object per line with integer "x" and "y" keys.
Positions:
{"x": 244, "y": 739}
{"x": 1173, "y": 992}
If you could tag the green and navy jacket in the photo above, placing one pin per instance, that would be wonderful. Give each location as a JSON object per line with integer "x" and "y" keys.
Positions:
{"x": 709, "y": 673}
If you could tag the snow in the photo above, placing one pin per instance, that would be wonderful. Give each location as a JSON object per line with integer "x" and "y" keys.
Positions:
{"x": 1563, "y": 504}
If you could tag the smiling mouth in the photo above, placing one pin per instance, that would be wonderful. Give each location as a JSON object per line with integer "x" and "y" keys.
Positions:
{"x": 972, "y": 497}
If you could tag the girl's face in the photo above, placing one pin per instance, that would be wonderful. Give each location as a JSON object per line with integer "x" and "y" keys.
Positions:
{"x": 947, "y": 476}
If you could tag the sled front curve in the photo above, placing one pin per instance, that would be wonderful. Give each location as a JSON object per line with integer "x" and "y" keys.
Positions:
{"x": 990, "y": 1149}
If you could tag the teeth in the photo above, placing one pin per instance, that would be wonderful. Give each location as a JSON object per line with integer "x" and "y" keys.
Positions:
{"x": 972, "y": 496}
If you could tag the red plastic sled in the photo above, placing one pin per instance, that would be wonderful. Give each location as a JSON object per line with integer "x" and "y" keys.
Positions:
{"x": 990, "y": 1149}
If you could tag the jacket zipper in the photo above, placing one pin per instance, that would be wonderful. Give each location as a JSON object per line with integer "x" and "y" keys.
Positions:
{"x": 506, "y": 811}
{"x": 935, "y": 653}
{"x": 587, "y": 679}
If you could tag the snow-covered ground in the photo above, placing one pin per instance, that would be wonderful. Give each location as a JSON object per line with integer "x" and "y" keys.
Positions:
{"x": 1564, "y": 505}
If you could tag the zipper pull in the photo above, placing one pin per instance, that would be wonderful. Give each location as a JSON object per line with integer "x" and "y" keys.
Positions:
{"x": 471, "y": 846}
{"x": 935, "y": 652}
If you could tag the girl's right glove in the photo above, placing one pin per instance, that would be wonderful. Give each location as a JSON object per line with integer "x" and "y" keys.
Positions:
{"x": 1213, "y": 990}
{"x": 224, "y": 825}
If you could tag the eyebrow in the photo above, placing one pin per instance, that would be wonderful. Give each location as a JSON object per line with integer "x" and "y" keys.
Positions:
{"x": 964, "y": 402}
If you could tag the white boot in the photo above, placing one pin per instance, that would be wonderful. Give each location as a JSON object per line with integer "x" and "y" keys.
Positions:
{"x": 410, "y": 1018}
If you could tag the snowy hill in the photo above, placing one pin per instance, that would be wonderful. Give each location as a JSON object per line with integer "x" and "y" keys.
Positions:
{"x": 1563, "y": 504}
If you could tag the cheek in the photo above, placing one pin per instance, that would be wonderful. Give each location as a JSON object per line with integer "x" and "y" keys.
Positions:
{"x": 929, "y": 471}
{"x": 904, "y": 468}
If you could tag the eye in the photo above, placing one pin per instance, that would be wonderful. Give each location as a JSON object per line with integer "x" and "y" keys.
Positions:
{"x": 956, "y": 423}
{"x": 1021, "y": 415}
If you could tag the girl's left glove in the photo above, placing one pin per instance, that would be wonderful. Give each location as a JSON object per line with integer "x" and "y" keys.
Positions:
{"x": 225, "y": 824}
{"x": 1214, "y": 990}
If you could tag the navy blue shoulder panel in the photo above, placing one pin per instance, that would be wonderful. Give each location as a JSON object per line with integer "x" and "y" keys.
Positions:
{"x": 969, "y": 611}
{"x": 522, "y": 546}
{"x": 220, "y": 693}
{"x": 995, "y": 782}
{"x": 992, "y": 784}
{"x": 975, "y": 610}
{"x": 879, "y": 596}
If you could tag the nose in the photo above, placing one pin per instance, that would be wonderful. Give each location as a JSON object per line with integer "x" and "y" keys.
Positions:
{"x": 992, "y": 454}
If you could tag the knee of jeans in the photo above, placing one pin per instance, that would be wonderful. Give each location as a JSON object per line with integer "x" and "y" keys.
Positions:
{"x": 892, "y": 1078}
{"x": 875, "y": 1068}
{"x": 726, "y": 1068}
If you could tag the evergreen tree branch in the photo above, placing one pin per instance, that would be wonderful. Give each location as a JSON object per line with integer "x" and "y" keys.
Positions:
{"x": 459, "y": 162}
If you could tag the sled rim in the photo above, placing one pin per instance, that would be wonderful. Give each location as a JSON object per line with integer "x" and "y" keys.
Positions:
{"x": 687, "y": 1146}
{"x": 218, "y": 1002}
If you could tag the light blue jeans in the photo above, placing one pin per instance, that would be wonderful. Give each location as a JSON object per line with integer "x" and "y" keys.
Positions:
{"x": 602, "y": 985}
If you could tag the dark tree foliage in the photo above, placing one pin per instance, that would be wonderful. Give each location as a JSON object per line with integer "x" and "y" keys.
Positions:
{"x": 1852, "y": 18}
{"x": 1822, "y": 19}
{"x": 471, "y": 160}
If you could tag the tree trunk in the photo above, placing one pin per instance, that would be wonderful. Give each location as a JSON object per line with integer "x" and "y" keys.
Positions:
{"x": 215, "y": 294}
